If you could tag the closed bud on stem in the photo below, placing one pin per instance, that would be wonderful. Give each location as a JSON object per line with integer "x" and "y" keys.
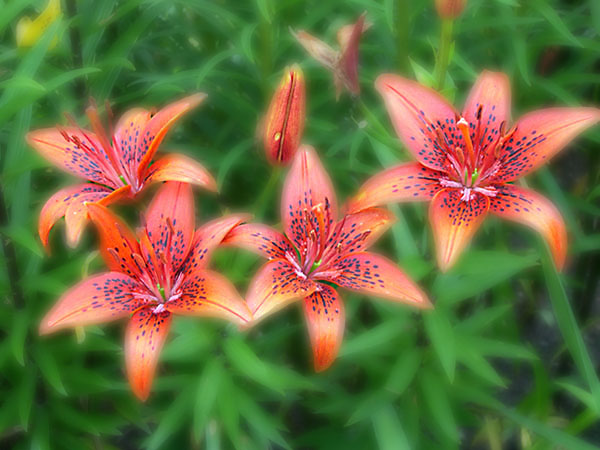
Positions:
{"x": 450, "y": 9}
{"x": 284, "y": 122}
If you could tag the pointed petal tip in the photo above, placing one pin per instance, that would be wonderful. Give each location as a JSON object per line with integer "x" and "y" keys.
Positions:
{"x": 195, "y": 99}
{"x": 322, "y": 366}
{"x": 45, "y": 328}
{"x": 141, "y": 392}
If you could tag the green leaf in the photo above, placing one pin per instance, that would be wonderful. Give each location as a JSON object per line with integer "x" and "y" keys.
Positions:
{"x": 388, "y": 430}
{"x": 206, "y": 395}
{"x": 404, "y": 370}
{"x": 478, "y": 271}
{"x": 18, "y": 335}
{"x": 438, "y": 403}
{"x": 47, "y": 364}
{"x": 173, "y": 418}
{"x": 568, "y": 326}
{"x": 440, "y": 333}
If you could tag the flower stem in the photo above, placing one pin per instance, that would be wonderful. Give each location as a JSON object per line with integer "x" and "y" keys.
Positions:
{"x": 264, "y": 197}
{"x": 443, "y": 57}
{"x": 76, "y": 54}
{"x": 401, "y": 28}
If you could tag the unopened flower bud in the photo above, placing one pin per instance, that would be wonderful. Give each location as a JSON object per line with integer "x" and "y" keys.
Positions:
{"x": 284, "y": 122}
{"x": 450, "y": 9}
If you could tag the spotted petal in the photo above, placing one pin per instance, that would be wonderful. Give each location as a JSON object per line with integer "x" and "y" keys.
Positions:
{"x": 158, "y": 126}
{"x": 454, "y": 223}
{"x": 531, "y": 209}
{"x": 539, "y": 136}
{"x": 207, "y": 238}
{"x": 374, "y": 274}
{"x": 260, "y": 239}
{"x": 118, "y": 244}
{"x": 52, "y": 144}
{"x": 101, "y": 298}
{"x": 489, "y": 105}
{"x": 56, "y": 207}
{"x": 416, "y": 111}
{"x": 177, "y": 167}
{"x": 170, "y": 222}
{"x": 129, "y": 135}
{"x": 275, "y": 285}
{"x": 307, "y": 185}
{"x": 207, "y": 293}
{"x": 406, "y": 182}
{"x": 356, "y": 232}
{"x": 325, "y": 319}
{"x": 144, "y": 339}
{"x": 76, "y": 215}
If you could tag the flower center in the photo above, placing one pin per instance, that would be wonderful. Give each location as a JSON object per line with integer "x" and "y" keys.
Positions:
{"x": 472, "y": 165}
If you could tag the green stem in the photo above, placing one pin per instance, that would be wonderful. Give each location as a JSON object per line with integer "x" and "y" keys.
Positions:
{"x": 263, "y": 199}
{"x": 402, "y": 36}
{"x": 443, "y": 58}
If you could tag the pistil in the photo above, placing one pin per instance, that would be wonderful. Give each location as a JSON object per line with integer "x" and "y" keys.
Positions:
{"x": 463, "y": 126}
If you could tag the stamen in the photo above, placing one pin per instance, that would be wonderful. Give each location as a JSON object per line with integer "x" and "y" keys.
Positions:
{"x": 92, "y": 113}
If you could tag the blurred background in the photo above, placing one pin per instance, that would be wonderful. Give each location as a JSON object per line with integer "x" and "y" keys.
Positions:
{"x": 509, "y": 356}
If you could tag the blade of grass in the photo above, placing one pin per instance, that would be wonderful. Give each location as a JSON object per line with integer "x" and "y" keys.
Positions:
{"x": 568, "y": 325}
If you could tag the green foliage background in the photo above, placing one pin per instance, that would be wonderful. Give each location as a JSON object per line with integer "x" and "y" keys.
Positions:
{"x": 500, "y": 363}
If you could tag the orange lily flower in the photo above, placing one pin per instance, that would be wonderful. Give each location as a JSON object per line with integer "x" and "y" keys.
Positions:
{"x": 161, "y": 273}
{"x": 317, "y": 249}
{"x": 117, "y": 165}
{"x": 466, "y": 163}
{"x": 343, "y": 63}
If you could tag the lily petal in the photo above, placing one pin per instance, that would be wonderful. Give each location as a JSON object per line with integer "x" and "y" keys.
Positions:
{"x": 275, "y": 285}
{"x": 375, "y": 274}
{"x": 349, "y": 39}
{"x": 76, "y": 215}
{"x": 531, "y": 209}
{"x": 57, "y": 205}
{"x": 356, "y": 233}
{"x": 489, "y": 104}
{"x": 318, "y": 49}
{"x": 306, "y": 186}
{"x": 208, "y": 237}
{"x": 159, "y": 125}
{"x": 177, "y": 167}
{"x": 416, "y": 112}
{"x": 101, "y": 298}
{"x": 325, "y": 319}
{"x": 144, "y": 339}
{"x": 539, "y": 136}
{"x": 207, "y": 293}
{"x": 260, "y": 239}
{"x": 454, "y": 222}
{"x": 406, "y": 182}
{"x": 129, "y": 134}
{"x": 170, "y": 222}
{"x": 117, "y": 242}
{"x": 71, "y": 157}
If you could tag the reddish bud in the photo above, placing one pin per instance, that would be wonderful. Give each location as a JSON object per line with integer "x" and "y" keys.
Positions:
{"x": 285, "y": 118}
{"x": 450, "y": 9}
